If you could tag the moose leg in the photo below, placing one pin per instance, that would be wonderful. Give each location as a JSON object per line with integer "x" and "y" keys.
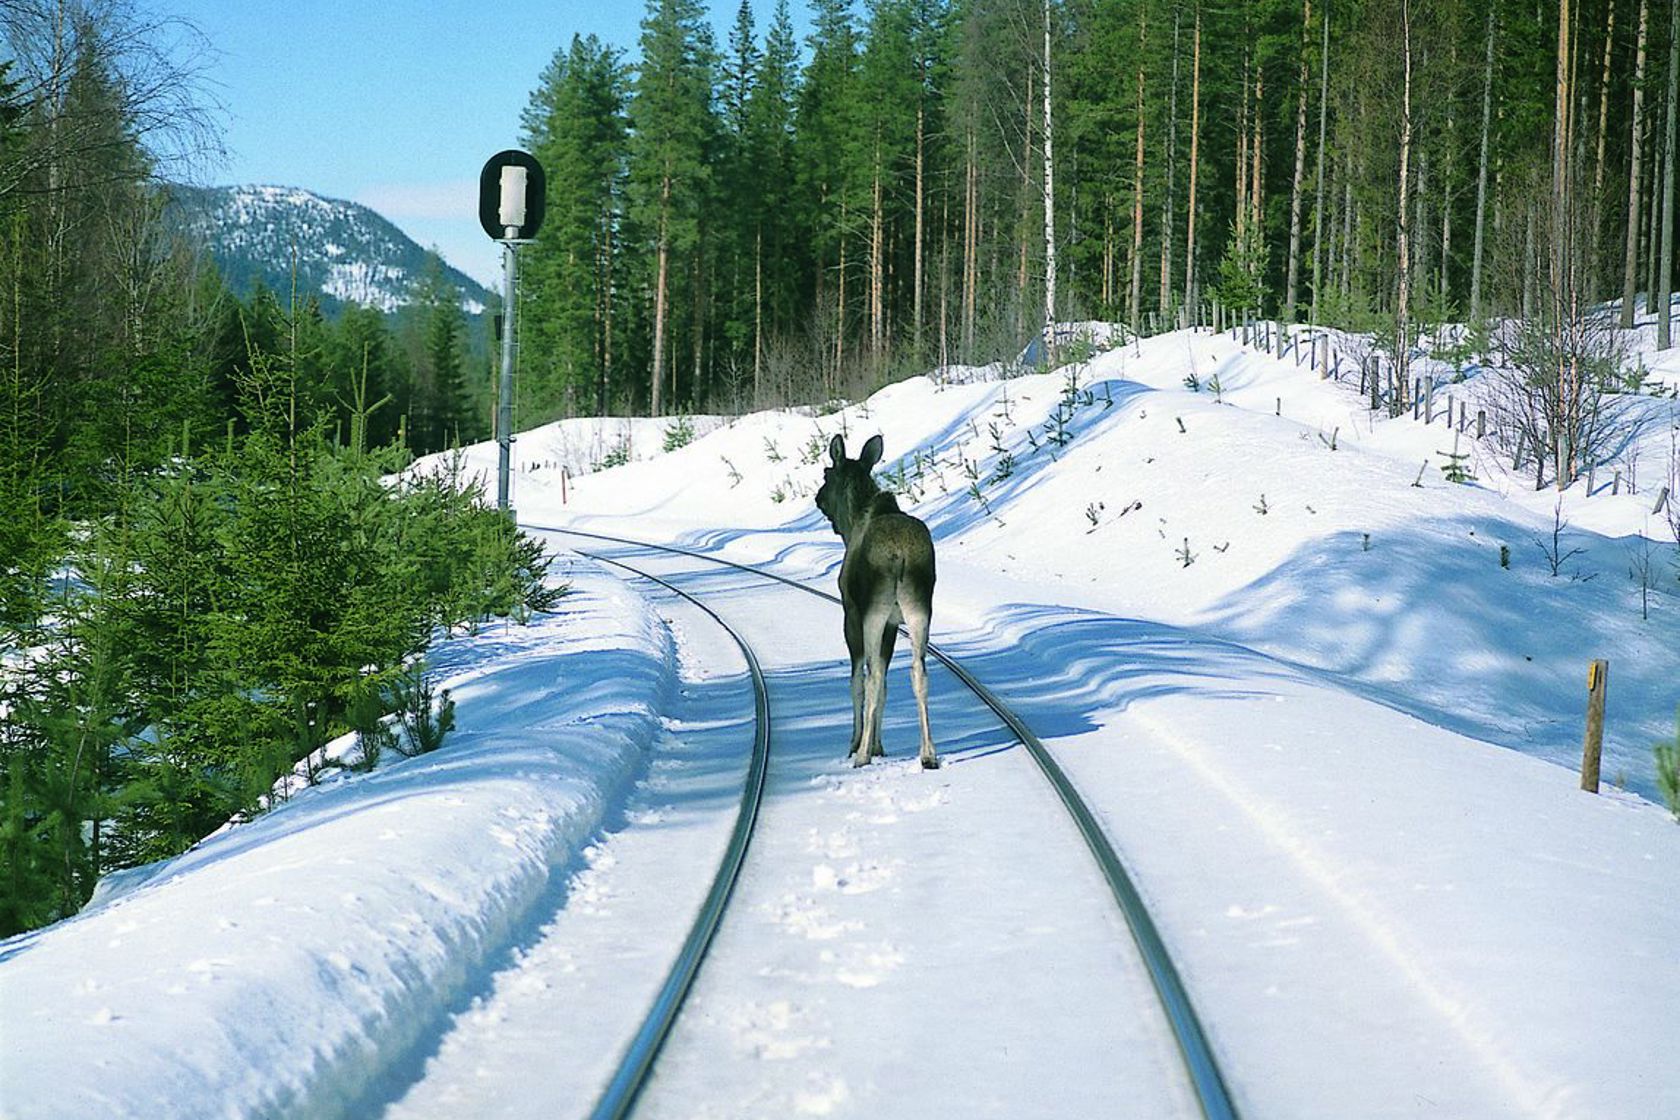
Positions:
{"x": 889, "y": 636}
{"x": 874, "y": 690}
{"x": 917, "y": 620}
{"x": 854, "y": 646}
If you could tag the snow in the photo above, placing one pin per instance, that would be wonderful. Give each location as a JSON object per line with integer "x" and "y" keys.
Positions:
{"x": 1337, "y": 748}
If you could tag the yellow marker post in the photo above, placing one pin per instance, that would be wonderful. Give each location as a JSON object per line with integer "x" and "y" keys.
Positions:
{"x": 1598, "y": 680}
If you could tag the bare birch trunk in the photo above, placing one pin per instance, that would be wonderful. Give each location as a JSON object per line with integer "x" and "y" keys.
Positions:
{"x": 602, "y": 398}
{"x": 1630, "y": 261}
{"x": 1402, "y": 299}
{"x": 1666, "y": 265}
{"x": 758, "y": 317}
{"x": 1049, "y": 199}
{"x": 916, "y": 268}
{"x": 840, "y": 304}
{"x": 877, "y": 254}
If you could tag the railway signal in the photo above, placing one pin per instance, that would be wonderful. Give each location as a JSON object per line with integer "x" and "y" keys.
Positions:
{"x": 511, "y": 198}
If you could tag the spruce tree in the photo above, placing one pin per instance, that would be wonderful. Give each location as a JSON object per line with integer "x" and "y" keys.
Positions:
{"x": 575, "y": 124}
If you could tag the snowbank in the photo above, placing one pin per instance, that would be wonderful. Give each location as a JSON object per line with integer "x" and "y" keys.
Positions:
{"x": 279, "y": 966}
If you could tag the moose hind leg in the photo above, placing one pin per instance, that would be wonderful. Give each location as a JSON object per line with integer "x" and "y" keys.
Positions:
{"x": 917, "y": 620}
{"x": 854, "y": 646}
{"x": 874, "y": 694}
{"x": 889, "y": 636}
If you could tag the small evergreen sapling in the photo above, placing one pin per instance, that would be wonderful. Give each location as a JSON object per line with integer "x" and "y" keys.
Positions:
{"x": 679, "y": 432}
{"x": 1668, "y": 769}
{"x": 425, "y": 717}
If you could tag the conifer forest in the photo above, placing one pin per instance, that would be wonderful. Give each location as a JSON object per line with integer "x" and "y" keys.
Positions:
{"x": 745, "y": 217}
{"x": 206, "y": 571}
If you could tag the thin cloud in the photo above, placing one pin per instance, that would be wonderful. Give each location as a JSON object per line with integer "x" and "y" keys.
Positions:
{"x": 423, "y": 201}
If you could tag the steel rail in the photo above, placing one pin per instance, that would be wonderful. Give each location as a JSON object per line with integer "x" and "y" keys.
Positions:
{"x": 1212, "y": 1094}
{"x": 636, "y": 1064}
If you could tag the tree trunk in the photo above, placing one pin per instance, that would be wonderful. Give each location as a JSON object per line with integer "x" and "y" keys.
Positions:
{"x": 1482, "y": 178}
{"x": 696, "y": 382}
{"x": 758, "y": 317}
{"x": 1172, "y": 172}
{"x": 877, "y": 255}
{"x": 1630, "y": 261}
{"x": 1300, "y": 169}
{"x": 1402, "y": 298}
{"x": 1026, "y": 206}
{"x": 1666, "y": 265}
{"x": 1195, "y": 147}
{"x": 840, "y": 305}
{"x": 1049, "y": 200}
{"x": 1321, "y": 259}
{"x": 1256, "y": 197}
{"x": 916, "y": 268}
{"x": 602, "y": 395}
{"x": 1241, "y": 217}
{"x": 971, "y": 246}
{"x": 1345, "y": 284}
{"x": 660, "y": 282}
{"x": 1136, "y": 297}
{"x": 1597, "y": 287}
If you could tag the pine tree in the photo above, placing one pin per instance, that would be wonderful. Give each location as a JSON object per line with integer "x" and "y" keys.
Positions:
{"x": 671, "y": 112}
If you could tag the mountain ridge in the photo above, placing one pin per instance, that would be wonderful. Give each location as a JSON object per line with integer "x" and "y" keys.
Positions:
{"x": 345, "y": 252}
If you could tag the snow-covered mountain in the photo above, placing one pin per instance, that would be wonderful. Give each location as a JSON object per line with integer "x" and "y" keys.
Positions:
{"x": 345, "y": 251}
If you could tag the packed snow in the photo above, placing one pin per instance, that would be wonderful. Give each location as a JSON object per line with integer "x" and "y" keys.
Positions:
{"x": 1327, "y": 704}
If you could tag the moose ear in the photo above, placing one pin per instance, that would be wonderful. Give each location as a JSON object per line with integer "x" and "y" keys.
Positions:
{"x": 871, "y": 453}
{"x": 837, "y": 450}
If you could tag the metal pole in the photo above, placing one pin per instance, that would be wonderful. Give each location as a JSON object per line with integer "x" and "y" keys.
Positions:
{"x": 504, "y": 400}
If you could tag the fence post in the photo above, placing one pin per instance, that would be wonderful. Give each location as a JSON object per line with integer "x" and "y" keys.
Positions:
{"x": 1592, "y": 748}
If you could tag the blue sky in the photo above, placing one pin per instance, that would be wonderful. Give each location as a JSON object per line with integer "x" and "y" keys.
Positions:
{"x": 397, "y": 104}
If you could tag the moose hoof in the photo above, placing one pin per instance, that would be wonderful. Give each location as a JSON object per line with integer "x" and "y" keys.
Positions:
{"x": 860, "y": 759}
{"x": 930, "y": 762}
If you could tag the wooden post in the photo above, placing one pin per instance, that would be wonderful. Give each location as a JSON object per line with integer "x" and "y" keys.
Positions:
{"x": 563, "y": 474}
{"x": 1481, "y": 422}
{"x": 1598, "y": 678}
{"x": 1662, "y": 498}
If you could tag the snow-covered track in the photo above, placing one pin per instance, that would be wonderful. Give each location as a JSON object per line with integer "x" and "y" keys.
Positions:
{"x": 1203, "y": 1070}
{"x": 636, "y": 1064}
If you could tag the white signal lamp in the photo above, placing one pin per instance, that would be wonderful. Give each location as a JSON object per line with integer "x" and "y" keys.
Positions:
{"x": 511, "y": 213}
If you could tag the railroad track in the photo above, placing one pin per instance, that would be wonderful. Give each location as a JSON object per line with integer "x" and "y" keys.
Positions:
{"x": 1203, "y": 1071}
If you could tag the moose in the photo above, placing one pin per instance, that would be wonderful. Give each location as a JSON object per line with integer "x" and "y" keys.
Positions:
{"x": 886, "y": 578}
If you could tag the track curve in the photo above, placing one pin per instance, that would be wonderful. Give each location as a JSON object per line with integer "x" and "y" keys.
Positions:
{"x": 1208, "y": 1082}
{"x": 619, "y": 1098}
